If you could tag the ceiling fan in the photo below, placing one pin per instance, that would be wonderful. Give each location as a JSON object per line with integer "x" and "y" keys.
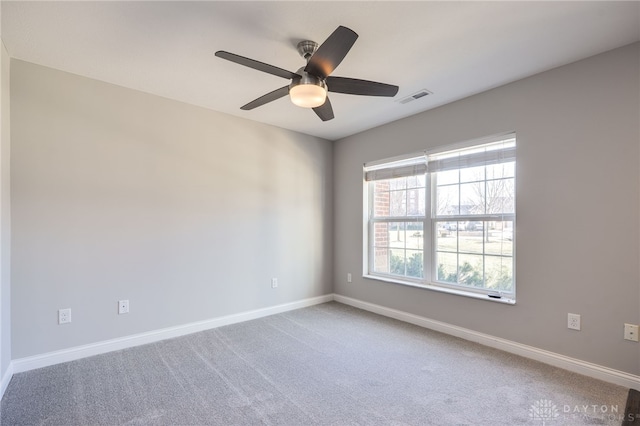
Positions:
{"x": 309, "y": 85}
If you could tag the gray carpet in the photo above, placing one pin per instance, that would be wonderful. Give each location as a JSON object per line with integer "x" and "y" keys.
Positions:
{"x": 329, "y": 364}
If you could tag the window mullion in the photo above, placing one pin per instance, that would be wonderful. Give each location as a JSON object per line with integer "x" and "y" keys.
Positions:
{"x": 428, "y": 254}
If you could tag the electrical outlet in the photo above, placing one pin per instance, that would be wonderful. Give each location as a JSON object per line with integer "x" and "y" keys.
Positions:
{"x": 123, "y": 307}
{"x": 631, "y": 332}
{"x": 274, "y": 282}
{"x": 573, "y": 321}
{"x": 64, "y": 316}
{"x": 349, "y": 277}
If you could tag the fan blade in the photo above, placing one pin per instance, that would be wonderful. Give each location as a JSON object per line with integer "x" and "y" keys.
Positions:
{"x": 256, "y": 65}
{"x": 265, "y": 99}
{"x": 354, "y": 86}
{"x": 324, "y": 111}
{"x": 331, "y": 52}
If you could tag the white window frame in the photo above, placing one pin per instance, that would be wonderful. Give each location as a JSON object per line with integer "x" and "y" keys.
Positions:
{"x": 426, "y": 163}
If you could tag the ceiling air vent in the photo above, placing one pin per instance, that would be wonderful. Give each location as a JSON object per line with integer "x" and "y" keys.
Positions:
{"x": 419, "y": 94}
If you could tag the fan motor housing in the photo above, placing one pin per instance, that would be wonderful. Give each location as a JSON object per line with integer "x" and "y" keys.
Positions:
{"x": 306, "y": 78}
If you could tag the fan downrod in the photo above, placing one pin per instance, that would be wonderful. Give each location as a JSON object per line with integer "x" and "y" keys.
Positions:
{"x": 306, "y": 48}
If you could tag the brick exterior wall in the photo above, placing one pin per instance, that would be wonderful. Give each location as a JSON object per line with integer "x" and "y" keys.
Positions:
{"x": 380, "y": 231}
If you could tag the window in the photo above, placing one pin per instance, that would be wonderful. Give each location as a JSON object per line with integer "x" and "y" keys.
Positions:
{"x": 445, "y": 220}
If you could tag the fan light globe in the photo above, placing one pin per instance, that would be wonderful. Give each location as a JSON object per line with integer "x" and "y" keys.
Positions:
{"x": 308, "y": 95}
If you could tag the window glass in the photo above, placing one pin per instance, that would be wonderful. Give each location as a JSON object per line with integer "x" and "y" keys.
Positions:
{"x": 449, "y": 223}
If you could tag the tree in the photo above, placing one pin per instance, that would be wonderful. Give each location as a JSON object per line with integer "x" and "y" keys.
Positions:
{"x": 412, "y": 267}
{"x": 494, "y": 195}
{"x": 466, "y": 274}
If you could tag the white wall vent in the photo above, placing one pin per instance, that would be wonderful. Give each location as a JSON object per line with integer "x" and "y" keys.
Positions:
{"x": 419, "y": 94}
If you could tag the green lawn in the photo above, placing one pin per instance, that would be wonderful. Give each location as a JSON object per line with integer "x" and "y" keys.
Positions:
{"x": 458, "y": 248}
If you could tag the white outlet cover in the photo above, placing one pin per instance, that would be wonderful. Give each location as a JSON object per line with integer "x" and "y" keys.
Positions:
{"x": 573, "y": 321}
{"x": 123, "y": 307}
{"x": 64, "y": 316}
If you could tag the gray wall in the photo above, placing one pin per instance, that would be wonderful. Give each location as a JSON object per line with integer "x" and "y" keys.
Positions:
{"x": 577, "y": 207}
{"x": 186, "y": 212}
{"x": 5, "y": 215}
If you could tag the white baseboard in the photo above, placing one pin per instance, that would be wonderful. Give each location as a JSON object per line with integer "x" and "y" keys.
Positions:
{"x": 6, "y": 378}
{"x": 38, "y": 361}
{"x": 557, "y": 360}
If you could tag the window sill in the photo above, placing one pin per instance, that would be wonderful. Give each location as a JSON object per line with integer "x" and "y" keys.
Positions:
{"x": 433, "y": 287}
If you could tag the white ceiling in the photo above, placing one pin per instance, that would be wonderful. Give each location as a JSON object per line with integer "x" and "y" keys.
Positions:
{"x": 453, "y": 49}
